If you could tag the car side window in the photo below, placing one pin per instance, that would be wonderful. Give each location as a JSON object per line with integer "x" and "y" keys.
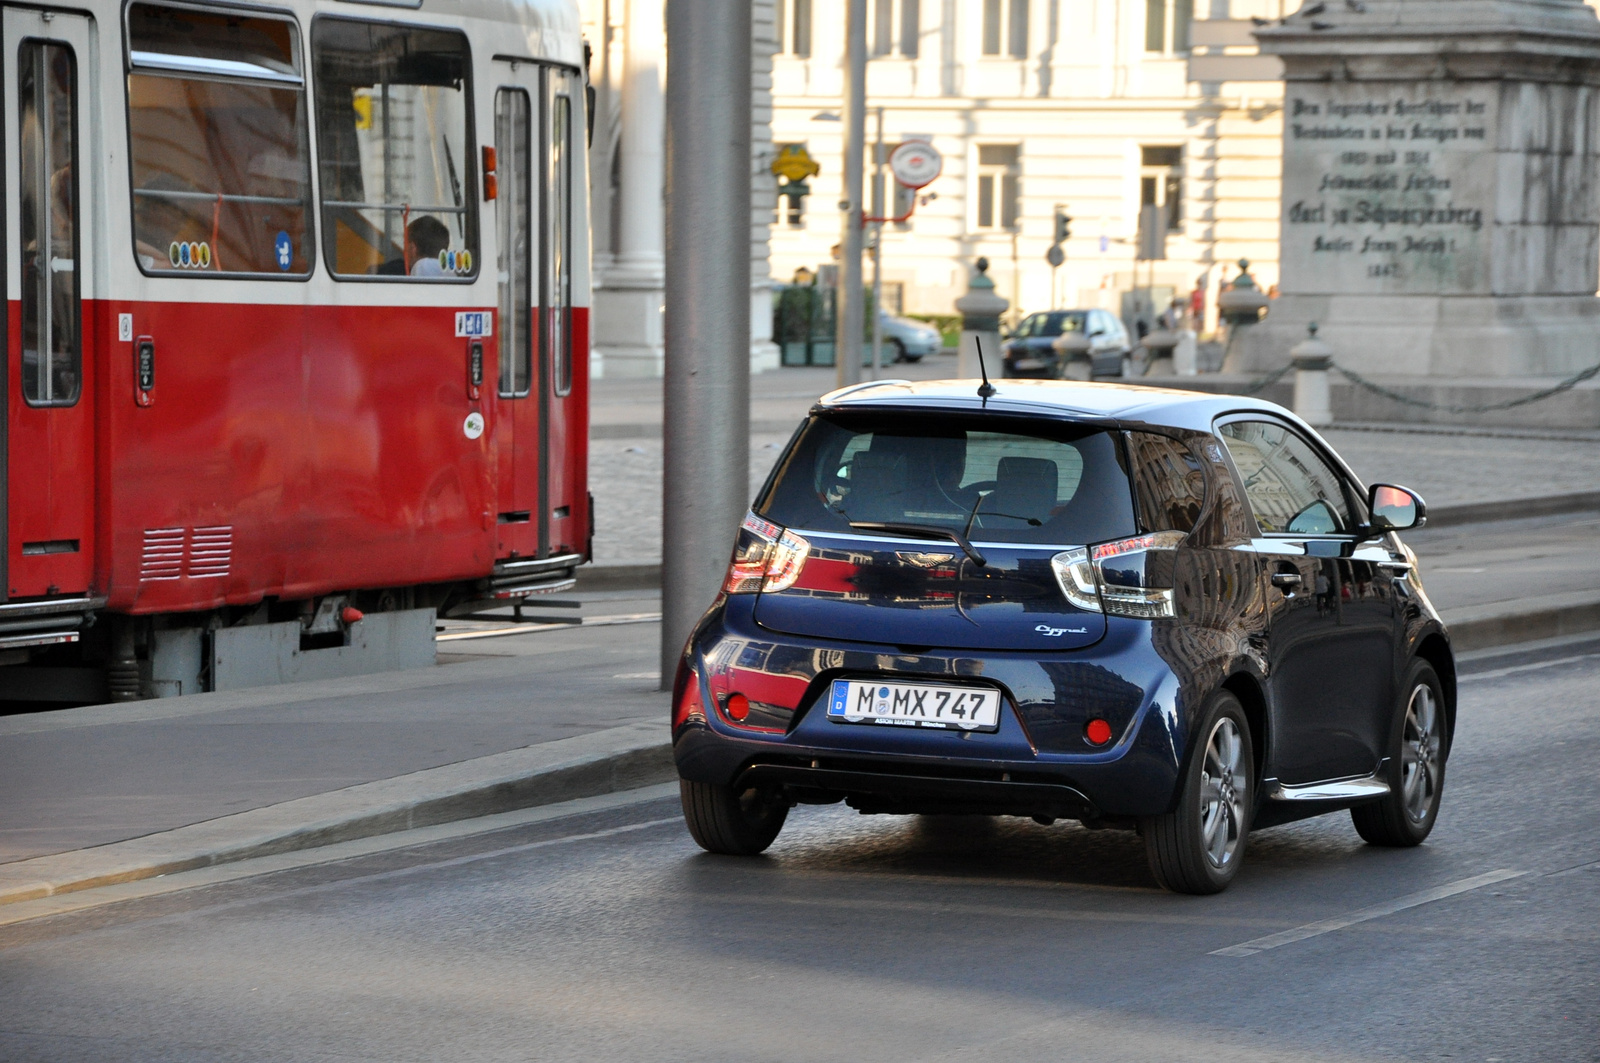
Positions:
{"x": 1291, "y": 489}
{"x": 1169, "y": 482}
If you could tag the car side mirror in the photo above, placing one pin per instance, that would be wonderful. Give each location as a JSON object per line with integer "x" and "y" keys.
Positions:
{"x": 1395, "y": 508}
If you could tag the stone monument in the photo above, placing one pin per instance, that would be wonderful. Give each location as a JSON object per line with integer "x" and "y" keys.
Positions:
{"x": 1441, "y": 214}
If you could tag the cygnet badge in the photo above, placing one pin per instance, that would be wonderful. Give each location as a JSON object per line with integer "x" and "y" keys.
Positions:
{"x": 1057, "y": 632}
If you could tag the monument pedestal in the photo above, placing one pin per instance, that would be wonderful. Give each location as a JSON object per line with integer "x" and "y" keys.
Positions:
{"x": 1441, "y": 210}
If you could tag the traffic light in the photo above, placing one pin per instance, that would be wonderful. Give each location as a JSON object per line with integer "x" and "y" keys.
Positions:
{"x": 1063, "y": 226}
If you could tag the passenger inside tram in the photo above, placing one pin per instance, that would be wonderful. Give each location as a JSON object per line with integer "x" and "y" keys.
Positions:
{"x": 425, "y": 238}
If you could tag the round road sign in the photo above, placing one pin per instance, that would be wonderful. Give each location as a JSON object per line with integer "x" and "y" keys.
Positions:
{"x": 915, "y": 163}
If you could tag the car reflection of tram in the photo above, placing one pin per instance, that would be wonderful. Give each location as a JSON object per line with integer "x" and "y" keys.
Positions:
{"x": 296, "y": 334}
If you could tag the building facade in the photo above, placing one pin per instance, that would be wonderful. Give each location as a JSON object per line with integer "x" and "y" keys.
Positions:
{"x": 627, "y": 67}
{"x": 1083, "y": 107}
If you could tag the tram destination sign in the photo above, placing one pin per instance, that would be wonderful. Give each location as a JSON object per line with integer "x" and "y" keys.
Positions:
{"x": 1387, "y": 189}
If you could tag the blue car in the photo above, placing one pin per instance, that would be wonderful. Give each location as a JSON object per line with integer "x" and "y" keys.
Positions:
{"x": 1153, "y": 610}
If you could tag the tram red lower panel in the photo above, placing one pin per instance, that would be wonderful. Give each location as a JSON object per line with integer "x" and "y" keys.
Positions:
{"x": 291, "y": 450}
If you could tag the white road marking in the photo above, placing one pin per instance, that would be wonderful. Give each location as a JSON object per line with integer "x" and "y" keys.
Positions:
{"x": 1376, "y": 911}
{"x": 532, "y": 629}
{"x": 1514, "y": 669}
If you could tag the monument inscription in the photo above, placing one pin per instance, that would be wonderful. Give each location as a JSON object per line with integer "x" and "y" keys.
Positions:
{"x": 1387, "y": 188}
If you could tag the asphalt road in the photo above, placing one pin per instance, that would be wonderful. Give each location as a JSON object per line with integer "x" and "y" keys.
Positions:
{"x": 609, "y": 937}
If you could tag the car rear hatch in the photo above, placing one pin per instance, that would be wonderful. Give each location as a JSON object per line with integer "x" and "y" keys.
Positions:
{"x": 920, "y": 593}
{"x": 933, "y": 529}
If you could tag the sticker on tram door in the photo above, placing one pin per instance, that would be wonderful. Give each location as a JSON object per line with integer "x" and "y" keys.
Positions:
{"x": 472, "y": 427}
{"x": 475, "y": 324}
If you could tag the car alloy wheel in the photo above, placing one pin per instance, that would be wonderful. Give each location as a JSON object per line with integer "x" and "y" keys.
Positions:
{"x": 1419, "y": 755}
{"x": 1199, "y": 845}
{"x": 1419, "y": 744}
{"x": 1222, "y": 811}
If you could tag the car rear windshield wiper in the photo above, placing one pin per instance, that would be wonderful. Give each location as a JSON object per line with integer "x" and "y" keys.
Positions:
{"x": 923, "y": 531}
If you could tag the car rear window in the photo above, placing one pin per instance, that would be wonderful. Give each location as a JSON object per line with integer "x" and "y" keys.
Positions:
{"x": 1051, "y": 324}
{"x": 1016, "y": 481}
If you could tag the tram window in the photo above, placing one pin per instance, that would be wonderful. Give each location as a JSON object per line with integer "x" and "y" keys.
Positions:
{"x": 395, "y": 135}
{"x": 514, "y": 211}
{"x": 218, "y": 143}
{"x": 558, "y": 242}
{"x": 47, "y": 94}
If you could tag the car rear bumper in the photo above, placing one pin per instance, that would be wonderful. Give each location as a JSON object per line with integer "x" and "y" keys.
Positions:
{"x": 1036, "y": 763}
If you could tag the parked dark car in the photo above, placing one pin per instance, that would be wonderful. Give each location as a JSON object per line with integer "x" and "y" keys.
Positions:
{"x": 1155, "y": 610}
{"x": 1067, "y": 344}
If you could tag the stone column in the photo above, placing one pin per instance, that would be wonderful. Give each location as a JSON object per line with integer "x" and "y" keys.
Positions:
{"x": 1440, "y": 214}
{"x": 628, "y": 297}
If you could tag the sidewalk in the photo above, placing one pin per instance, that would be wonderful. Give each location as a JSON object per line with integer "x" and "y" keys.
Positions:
{"x": 75, "y": 778}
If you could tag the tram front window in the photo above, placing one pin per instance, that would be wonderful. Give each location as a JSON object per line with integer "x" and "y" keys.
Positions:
{"x": 395, "y": 137}
{"x": 217, "y": 129}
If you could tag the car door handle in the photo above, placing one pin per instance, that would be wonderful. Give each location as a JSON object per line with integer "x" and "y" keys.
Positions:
{"x": 1399, "y": 568}
{"x": 1287, "y": 581}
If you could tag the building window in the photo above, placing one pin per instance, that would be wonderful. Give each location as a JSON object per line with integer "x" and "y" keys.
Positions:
{"x": 1166, "y": 22}
{"x": 999, "y": 201}
{"x": 891, "y": 18}
{"x": 1005, "y": 28}
{"x": 1161, "y": 182}
{"x": 794, "y": 28}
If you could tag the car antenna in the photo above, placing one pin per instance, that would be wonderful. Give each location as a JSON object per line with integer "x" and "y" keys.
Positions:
{"x": 986, "y": 389}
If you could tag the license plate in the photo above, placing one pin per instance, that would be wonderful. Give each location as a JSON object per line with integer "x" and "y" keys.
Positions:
{"x": 1029, "y": 363}
{"x": 915, "y": 705}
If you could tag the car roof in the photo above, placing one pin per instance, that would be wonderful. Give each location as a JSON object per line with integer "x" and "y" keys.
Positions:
{"x": 1056, "y": 399}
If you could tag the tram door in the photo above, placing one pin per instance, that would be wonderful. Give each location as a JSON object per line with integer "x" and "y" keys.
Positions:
{"x": 47, "y": 450}
{"x": 537, "y": 109}
{"x": 519, "y": 424}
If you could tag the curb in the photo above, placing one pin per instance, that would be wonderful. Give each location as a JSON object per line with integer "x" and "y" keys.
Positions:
{"x": 1502, "y": 624}
{"x": 620, "y": 758}
{"x": 1513, "y": 509}
{"x": 619, "y": 577}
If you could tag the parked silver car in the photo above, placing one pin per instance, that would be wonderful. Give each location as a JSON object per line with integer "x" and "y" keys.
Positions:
{"x": 905, "y": 340}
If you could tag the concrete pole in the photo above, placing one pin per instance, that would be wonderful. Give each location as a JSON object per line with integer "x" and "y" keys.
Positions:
{"x": 639, "y": 259}
{"x": 878, "y": 211}
{"x": 850, "y": 322}
{"x": 706, "y": 416}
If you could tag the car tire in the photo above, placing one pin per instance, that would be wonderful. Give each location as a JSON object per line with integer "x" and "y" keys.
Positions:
{"x": 734, "y": 824}
{"x": 1198, "y": 846}
{"x": 1418, "y": 747}
{"x": 899, "y": 350}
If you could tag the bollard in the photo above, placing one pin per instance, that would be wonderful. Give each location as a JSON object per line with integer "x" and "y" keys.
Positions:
{"x": 1312, "y": 397}
{"x": 980, "y": 311}
{"x": 1186, "y": 356}
{"x": 1158, "y": 347}
{"x": 1074, "y": 356}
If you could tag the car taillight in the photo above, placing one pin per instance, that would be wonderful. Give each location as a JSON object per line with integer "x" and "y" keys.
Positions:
{"x": 1129, "y": 577}
{"x": 765, "y": 558}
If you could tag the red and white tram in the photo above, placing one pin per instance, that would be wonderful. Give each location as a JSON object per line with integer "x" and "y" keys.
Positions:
{"x": 296, "y": 329}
